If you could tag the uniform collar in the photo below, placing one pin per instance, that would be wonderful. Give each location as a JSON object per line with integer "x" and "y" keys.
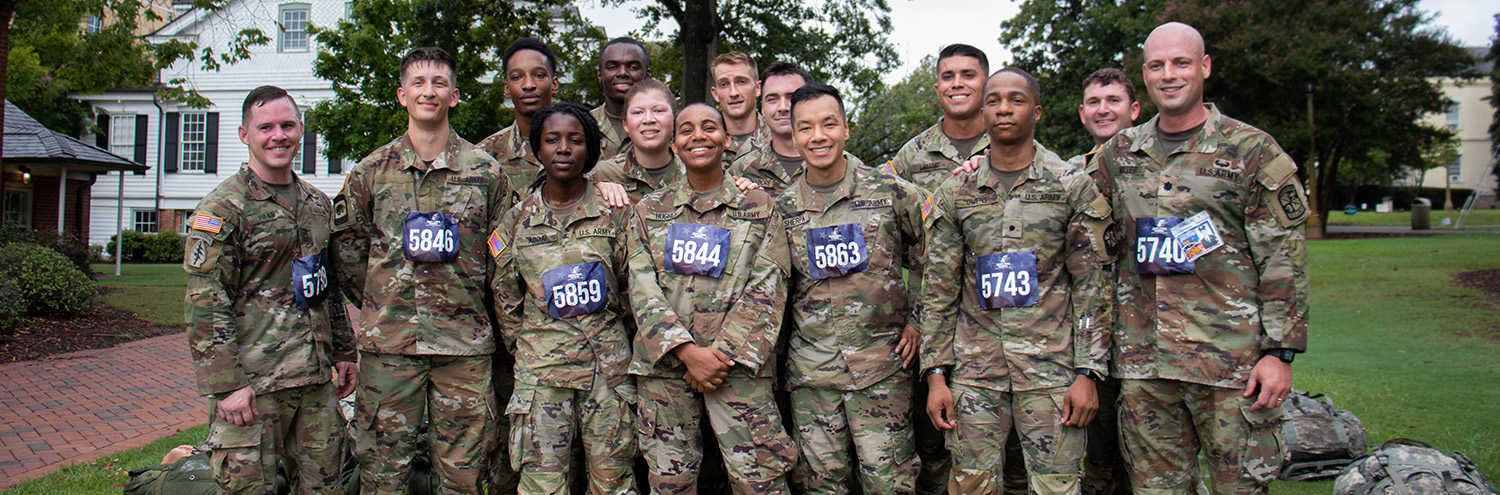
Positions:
{"x": 726, "y": 194}
{"x": 587, "y": 207}
{"x": 520, "y": 148}
{"x": 261, "y": 191}
{"x": 1205, "y": 141}
{"x": 634, "y": 170}
{"x": 810, "y": 200}
{"x": 986, "y": 176}
{"x": 448, "y": 159}
{"x": 934, "y": 140}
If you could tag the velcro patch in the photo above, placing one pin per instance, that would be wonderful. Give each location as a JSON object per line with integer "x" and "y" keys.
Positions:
{"x": 930, "y": 166}
{"x": 597, "y": 232}
{"x": 870, "y": 203}
{"x": 889, "y": 167}
{"x": 753, "y": 214}
{"x": 1291, "y": 205}
{"x": 207, "y": 223}
{"x": 926, "y": 208}
{"x": 976, "y": 201}
{"x": 530, "y": 240}
{"x": 794, "y": 220}
{"x": 340, "y": 210}
{"x": 661, "y": 215}
{"x": 469, "y": 180}
{"x": 1099, "y": 208}
{"x": 1043, "y": 197}
{"x": 1275, "y": 174}
{"x": 202, "y": 255}
{"x": 497, "y": 245}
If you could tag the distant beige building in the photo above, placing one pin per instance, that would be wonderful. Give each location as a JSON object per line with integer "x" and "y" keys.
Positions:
{"x": 1469, "y": 116}
{"x": 144, "y": 25}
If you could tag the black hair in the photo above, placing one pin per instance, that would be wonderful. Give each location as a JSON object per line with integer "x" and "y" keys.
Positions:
{"x": 815, "y": 90}
{"x": 629, "y": 41}
{"x": 1032, "y": 86}
{"x": 780, "y": 68}
{"x": 715, "y": 109}
{"x": 962, "y": 50}
{"x": 1108, "y": 76}
{"x": 591, "y": 135}
{"x": 263, "y": 95}
{"x": 528, "y": 43}
{"x": 429, "y": 54}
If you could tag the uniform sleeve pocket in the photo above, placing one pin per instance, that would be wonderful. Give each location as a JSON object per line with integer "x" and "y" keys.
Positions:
{"x": 521, "y": 430}
{"x": 225, "y": 435}
{"x": 1263, "y": 453}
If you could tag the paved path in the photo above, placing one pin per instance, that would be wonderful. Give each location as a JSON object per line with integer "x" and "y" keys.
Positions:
{"x": 77, "y": 407}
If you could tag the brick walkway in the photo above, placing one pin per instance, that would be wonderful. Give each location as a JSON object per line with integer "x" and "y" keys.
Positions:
{"x": 77, "y": 407}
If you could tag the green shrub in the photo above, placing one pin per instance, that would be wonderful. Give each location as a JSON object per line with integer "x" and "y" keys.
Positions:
{"x": 45, "y": 281}
{"x": 66, "y": 244}
{"x": 11, "y": 304}
{"x": 165, "y": 247}
{"x": 135, "y": 246}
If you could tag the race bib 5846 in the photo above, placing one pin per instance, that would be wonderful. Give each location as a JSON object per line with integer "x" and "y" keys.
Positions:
{"x": 694, "y": 249}
{"x": 430, "y": 236}
{"x": 1156, "y": 251}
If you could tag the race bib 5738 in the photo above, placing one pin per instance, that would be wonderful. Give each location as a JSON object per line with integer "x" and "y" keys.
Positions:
{"x": 1156, "y": 251}
{"x": 694, "y": 249}
{"x": 837, "y": 250}
{"x": 575, "y": 290}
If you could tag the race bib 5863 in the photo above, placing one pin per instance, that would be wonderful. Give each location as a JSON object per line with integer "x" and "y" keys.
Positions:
{"x": 694, "y": 249}
{"x": 1006, "y": 280}
{"x": 1156, "y": 251}
{"x": 575, "y": 290}
{"x": 837, "y": 250}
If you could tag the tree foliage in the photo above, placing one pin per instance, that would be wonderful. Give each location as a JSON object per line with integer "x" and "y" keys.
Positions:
{"x": 1493, "y": 57}
{"x": 51, "y": 56}
{"x": 1371, "y": 64}
{"x": 834, "y": 39}
{"x": 884, "y": 120}
{"x": 361, "y": 57}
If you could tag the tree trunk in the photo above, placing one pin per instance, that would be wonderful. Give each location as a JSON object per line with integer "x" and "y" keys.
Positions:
{"x": 699, "y": 27}
{"x": 7, "y": 9}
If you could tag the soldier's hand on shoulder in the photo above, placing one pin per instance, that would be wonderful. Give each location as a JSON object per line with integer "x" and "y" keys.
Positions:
{"x": 745, "y": 184}
{"x": 973, "y": 163}
{"x": 614, "y": 194}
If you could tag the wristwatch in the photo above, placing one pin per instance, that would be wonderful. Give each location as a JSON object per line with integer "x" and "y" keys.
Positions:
{"x": 935, "y": 370}
{"x": 1285, "y": 355}
{"x": 1090, "y": 374}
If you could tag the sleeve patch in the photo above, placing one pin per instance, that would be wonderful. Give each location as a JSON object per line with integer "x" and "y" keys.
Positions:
{"x": 202, "y": 255}
{"x": 207, "y": 223}
{"x": 497, "y": 245}
{"x": 926, "y": 208}
{"x": 1291, "y": 205}
{"x": 340, "y": 210}
{"x": 1275, "y": 174}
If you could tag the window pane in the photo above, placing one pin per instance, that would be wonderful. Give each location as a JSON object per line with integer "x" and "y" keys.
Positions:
{"x": 145, "y": 221}
{"x": 194, "y": 141}
{"x": 18, "y": 209}
{"x": 122, "y": 135}
{"x": 294, "y": 29}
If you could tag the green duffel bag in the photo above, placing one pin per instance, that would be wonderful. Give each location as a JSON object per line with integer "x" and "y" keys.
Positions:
{"x": 1403, "y": 466}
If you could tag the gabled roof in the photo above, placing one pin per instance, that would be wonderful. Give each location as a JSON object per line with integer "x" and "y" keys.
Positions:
{"x": 27, "y": 140}
{"x": 1478, "y": 53}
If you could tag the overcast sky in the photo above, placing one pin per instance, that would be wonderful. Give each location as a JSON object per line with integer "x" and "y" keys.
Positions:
{"x": 924, "y": 26}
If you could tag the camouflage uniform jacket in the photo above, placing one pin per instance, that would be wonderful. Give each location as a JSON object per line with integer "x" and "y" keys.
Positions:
{"x": 845, "y": 329}
{"x": 761, "y": 167}
{"x": 738, "y": 313}
{"x": 410, "y": 307}
{"x": 615, "y": 139}
{"x": 754, "y": 141}
{"x": 1086, "y": 161}
{"x": 622, "y": 169}
{"x": 1055, "y": 212}
{"x": 243, "y": 324}
{"x": 569, "y": 352}
{"x": 1209, "y": 327}
{"x": 929, "y": 158}
{"x": 513, "y": 152}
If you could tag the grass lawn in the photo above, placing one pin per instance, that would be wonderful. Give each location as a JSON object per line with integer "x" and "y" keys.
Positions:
{"x": 1392, "y": 339}
{"x": 106, "y": 475}
{"x": 152, "y": 291}
{"x": 1478, "y": 219}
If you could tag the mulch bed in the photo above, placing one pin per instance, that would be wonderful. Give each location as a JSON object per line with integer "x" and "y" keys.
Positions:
{"x": 103, "y": 326}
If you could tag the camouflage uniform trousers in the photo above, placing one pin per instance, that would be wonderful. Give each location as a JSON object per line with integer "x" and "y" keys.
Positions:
{"x": 300, "y": 425}
{"x": 758, "y": 452}
{"x": 503, "y": 479}
{"x": 936, "y": 461}
{"x": 1103, "y": 468}
{"x": 985, "y": 418}
{"x": 876, "y": 420}
{"x": 458, "y": 396}
{"x": 547, "y": 422}
{"x": 1163, "y": 423}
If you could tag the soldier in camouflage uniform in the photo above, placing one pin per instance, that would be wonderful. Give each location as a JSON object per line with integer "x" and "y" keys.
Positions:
{"x": 777, "y": 166}
{"x": 931, "y": 156}
{"x": 1203, "y": 346}
{"x": 262, "y": 329}
{"x": 649, "y": 164}
{"x": 720, "y": 256}
{"x": 736, "y": 89}
{"x": 851, "y": 231}
{"x": 529, "y": 70}
{"x": 561, "y": 282}
{"x": 410, "y": 226}
{"x": 1015, "y": 303}
{"x": 622, "y": 63}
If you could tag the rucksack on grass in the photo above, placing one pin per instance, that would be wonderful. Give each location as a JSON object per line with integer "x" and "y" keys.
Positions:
{"x": 1319, "y": 438}
{"x": 1403, "y": 466}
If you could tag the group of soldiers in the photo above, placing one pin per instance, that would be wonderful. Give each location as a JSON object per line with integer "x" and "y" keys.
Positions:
{"x": 966, "y": 318}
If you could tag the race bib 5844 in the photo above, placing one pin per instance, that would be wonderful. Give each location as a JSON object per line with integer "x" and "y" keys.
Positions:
{"x": 694, "y": 249}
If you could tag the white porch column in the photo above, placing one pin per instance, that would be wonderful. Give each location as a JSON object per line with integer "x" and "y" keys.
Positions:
{"x": 62, "y": 200}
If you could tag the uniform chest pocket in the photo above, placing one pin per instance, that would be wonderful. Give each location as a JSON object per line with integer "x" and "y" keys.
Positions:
{"x": 1006, "y": 280}
{"x": 310, "y": 280}
{"x": 575, "y": 290}
{"x": 695, "y": 249}
{"x": 1157, "y": 252}
{"x": 430, "y": 236}
{"x": 837, "y": 250}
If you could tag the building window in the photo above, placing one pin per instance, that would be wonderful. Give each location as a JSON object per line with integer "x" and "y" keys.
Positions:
{"x": 194, "y": 141}
{"x": 1456, "y": 169}
{"x": 145, "y": 221}
{"x": 294, "y": 27}
{"x": 95, "y": 25}
{"x": 122, "y": 135}
{"x": 186, "y": 221}
{"x": 18, "y": 209}
{"x": 1453, "y": 115}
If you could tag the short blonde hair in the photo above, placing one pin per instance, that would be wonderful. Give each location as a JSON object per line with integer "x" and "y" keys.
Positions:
{"x": 734, "y": 58}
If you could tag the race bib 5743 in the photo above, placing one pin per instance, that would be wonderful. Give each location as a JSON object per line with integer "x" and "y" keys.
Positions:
{"x": 1006, "y": 280}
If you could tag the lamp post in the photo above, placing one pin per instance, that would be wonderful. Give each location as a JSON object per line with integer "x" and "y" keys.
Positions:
{"x": 1315, "y": 221}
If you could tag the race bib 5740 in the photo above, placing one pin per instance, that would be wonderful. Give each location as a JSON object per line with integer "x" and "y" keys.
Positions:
{"x": 1156, "y": 251}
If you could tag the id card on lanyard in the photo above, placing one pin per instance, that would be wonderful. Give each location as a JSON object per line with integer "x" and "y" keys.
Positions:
{"x": 1157, "y": 252}
{"x": 310, "y": 280}
{"x": 837, "y": 250}
{"x": 695, "y": 249}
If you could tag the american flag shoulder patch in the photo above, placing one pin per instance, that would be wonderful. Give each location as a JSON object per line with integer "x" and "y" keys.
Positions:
{"x": 890, "y": 167}
{"x": 207, "y": 223}
{"x": 497, "y": 246}
{"x": 926, "y": 207}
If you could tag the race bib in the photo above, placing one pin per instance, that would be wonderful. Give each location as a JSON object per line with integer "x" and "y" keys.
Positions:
{"x": 310, "y": 280}
{"x": 694, "y": 249}
{"x": 1156, "y": 251}
{"x": 837, "y": 250}
{"x": 575, "y": 290}
{"x": 1006, "y": 280}
{"x": 430, "y": 236}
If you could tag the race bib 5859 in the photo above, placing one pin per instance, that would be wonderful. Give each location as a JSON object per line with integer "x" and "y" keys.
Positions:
{"x": 694, "y": 249}
{"x": 1006, "y": 280}
{"x": 837, "y": 250}
{"x": 1156, "y": 251}
{"x": 575, "y": 290}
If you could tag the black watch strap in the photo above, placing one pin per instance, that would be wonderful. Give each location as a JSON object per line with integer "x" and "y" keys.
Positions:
{"x": 1090, "y": 374}
{"x": 1285, "y": 355}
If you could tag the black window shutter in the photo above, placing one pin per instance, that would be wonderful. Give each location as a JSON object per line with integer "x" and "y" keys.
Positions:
{"x": 309, "y": 154}
{"x": 142, "y": 124}
{"x": 174, "y": 133}
{"x": 335, "y": 166}
{"x": 211, "y": 158}
{"x": 102, "y": 138}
